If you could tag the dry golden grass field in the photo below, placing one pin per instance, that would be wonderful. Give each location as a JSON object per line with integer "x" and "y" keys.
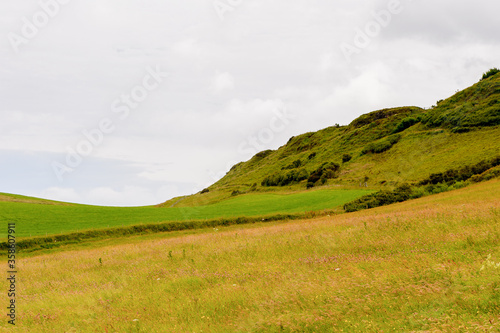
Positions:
{"x": 426, "y": 265}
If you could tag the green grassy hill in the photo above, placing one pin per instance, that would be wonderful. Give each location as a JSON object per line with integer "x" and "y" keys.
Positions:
{"x": 314, "y": 171}
{"x": 381, "y": 149}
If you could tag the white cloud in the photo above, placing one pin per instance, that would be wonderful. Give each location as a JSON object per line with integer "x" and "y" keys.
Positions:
{"x": 221, "y": 82}
{"x": 188, "y": 48}
{"x": 108, "y": 196}
{"x": 60, "y": 194}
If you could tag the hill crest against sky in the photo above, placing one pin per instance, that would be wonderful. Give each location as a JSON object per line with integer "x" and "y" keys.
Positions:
{"x": 382, "y": 148}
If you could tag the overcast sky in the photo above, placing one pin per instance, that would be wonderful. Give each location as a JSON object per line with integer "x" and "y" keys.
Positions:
{"x": 133, "y": 102}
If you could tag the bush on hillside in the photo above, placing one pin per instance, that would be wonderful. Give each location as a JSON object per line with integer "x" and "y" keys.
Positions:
{"x": 284, "y": 179}
{"x": 263, "y": 154}
{"x": 296, "y": 164}
{"x": 406, "y": 123}
{"x": 380, "y": 146}
{"x": 326, "y": 171}
{"x": 380, "y": 198}
{"x": 346, "y": 158}
{"x": 462, "y": 174}
{"x": 490, "y": 73}
{"x": 435, "y": 183}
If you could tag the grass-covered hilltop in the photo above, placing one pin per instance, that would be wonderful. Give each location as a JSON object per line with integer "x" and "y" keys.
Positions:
{"x": 389, "y": 224}
{"x": 381, "y": 150}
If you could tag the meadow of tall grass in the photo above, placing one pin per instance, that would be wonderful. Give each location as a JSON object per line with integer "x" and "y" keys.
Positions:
{"x": 420, "y": 265}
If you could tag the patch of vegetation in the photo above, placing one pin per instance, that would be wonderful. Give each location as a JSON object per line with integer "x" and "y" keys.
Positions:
{"x": 380, "y": 198}
{"x": 346, "y": 158}
{"x": 263, "y": 154}
{"x": 374, "y": 116}
{"x": 461, "y": 174}
{"x": 382, "y": 145}
{"x": 300, "y": 143}
{"x": 295, "y": 164}
{"x": 326, "y": 171}
{"x": 435, "y": 183}
{"x": 284, "y": 179}
{"x": 406, "y": 123}
{"x": 490, "y": 73}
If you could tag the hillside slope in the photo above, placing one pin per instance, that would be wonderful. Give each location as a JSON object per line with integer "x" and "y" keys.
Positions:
{"x": 381, "y": 149}
{"x": 420, "y": 266}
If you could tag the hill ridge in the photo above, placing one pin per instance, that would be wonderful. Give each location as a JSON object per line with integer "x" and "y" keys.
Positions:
{"x": 380, "y": 149}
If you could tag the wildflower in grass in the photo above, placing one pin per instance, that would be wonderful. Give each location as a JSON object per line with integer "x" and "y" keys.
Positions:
{"x": 490, "y": 264}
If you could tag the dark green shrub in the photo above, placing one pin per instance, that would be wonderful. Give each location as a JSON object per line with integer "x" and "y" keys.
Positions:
{"x": 376, "y": 147}
{"x": 280, "y": 179}
{"x": 393, "y": 139}
{"x": 272, "y": 180}
{"x": 295, "y": 164}
{"x": 328, "y": 170}
{"x": 490, "y": 73}
{"x": 206, "y": 190}
{"x": 263, "y": 154}
{"x": 346, "y": 158}
{"x": 314, "y": 177}
{"x": 402, "y": 193}
{"x": 382, "y": 145}
{"x": 311, "y": 156}
{"x": 303, "y": 174}
{"x": 462, "y": 174}
{"x": 405, "y": 123}
{"x": 435, "y": 183}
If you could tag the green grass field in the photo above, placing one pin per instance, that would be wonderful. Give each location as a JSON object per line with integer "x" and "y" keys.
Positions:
{"x": 41, "y": 219}
{"x": 423, "y": 265}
